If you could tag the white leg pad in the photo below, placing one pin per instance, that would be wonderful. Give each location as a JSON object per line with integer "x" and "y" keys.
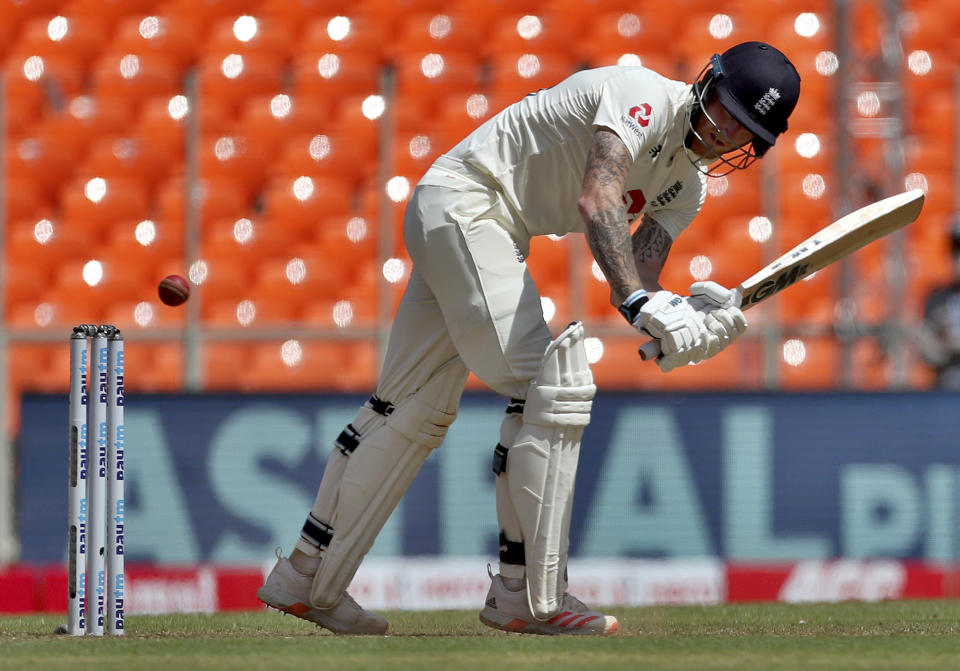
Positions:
{"x": 379, "y": 472}
{"x": 542, "y": 465}
{"x": 328, "y": 493}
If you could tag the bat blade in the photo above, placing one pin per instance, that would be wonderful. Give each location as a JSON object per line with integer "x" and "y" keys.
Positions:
{"x": 841, "y": 238}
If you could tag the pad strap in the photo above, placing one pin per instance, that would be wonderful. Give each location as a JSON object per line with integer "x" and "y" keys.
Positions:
{"x": 318, "y": 534}
{"x": 511, "y": 552}
{"x": 500, "y": 459}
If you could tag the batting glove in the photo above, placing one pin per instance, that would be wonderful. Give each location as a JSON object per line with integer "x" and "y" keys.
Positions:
{"x": 721, "y": 312}
{"x": 672, "y": 320}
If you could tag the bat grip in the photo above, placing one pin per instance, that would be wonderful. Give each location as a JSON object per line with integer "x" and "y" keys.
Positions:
{"x": 649, "y": 350}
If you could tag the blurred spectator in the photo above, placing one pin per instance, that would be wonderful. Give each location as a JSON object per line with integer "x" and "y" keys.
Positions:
{"x": 940, "y": 335}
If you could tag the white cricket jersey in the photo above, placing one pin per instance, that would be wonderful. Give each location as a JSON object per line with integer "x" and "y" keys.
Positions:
{"x": 535, "y": 151}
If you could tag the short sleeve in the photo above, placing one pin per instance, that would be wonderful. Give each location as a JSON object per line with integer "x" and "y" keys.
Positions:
{"x": 634, "y": 105}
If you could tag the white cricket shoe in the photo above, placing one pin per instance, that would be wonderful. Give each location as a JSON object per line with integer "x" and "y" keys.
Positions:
{"x": 509, "y": 611}
{"x": 288, "y": 591}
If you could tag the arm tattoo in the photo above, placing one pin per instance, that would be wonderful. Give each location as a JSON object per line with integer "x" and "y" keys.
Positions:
{"x": 608, "y": 232}
{"x": 608, "y": 160}
{"x": 651, "y": 244}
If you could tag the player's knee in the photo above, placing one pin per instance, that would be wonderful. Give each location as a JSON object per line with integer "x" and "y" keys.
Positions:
{"x": 424, "y": 417}
{"x": 562, "y": 394}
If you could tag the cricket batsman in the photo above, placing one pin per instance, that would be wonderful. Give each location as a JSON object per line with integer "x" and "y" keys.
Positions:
{"x": 590, "y": 155}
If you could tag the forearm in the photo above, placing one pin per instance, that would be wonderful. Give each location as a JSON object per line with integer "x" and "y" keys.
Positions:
{"x": 609, "y": 238}
{"x": 650, "y": 247}
{"x": 604, "y": 214}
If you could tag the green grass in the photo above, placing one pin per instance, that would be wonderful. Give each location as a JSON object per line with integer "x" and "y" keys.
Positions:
{"x": 906, "y": 635}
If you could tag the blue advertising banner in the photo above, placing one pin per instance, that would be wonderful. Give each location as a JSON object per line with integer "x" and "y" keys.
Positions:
{"x": 754, "y": 476}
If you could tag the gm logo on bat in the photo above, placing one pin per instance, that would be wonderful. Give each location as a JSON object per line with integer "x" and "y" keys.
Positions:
{"x": 776, "y": 284}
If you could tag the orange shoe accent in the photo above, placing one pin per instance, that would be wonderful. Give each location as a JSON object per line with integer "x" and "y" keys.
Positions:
{"x": 558, "y": 616}
{"x": 296, "y": 609}
{"x": 516, "y": 625}
{"x": 588, "y": 619}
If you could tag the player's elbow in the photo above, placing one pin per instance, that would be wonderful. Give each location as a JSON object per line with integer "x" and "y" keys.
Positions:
{"x": 587, "y": 208}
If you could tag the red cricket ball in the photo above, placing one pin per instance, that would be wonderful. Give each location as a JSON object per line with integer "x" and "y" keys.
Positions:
{"x": 173, "y": 290}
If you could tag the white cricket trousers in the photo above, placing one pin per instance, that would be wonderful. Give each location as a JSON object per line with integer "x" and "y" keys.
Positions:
{"x": 470, "y": 296}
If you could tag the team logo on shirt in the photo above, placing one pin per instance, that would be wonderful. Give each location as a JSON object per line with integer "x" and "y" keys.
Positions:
{"x": 641, "y": 114}
{"x": 638, "y": 117}
{"x": 634, "y": 200}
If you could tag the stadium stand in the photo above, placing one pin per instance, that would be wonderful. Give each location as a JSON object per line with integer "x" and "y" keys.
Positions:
{"x": 303, "y": 109}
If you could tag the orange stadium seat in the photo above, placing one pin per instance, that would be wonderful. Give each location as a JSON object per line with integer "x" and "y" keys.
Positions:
{"x": 237, "y": 158}
{"x": 923, "y": 154}
{"x": 516, "y": 74}
{"x": 349, "y": 32}
{"x": 219, "y": 278}
{"x": 218, "y": 197}
{"x": 299, "y": 12}
{"x": 312, "y": 365}
{"x": 92, "y": 198}
{"x": 805, "y": 203}
{"x": 271, "y": 36}
{"x": 458, "y": 114}
{"x": 26, "y": 280}
{"x": 705, "y": 33}
{"x": 269, "y": 120}
{"x": 24, "y": 200}
{"x": 235, "y": 78}
{"x": 436, "y": 32}
{"x": 335, "y": 74}
{"x": 373, "y": 203}
{"x": 939, "y": 188}
{"x": 30, "y": 365}
{"x": 143, "y": 157}
{"x": 49, "y": 81}
{"x": 301, "y": 275}
{"x": 72, "y": 37}
{"x": 299, "y": 203}
{"x": 139, "y": 315}
{"x": 433, "y": 75}
{"x": 147, "y": 242}
{"x": 348, "y": 236}
{"x": 619, "y": 30}
{"x": 204, "y": 13}
{"x": 224, "y": 364}
{"x": 414, "y": 151}
{"x": 250, "y": 310}
{"x": 168, "y": 119}
{"x": 349, "y": 310}
{"x": 527, "y": 33}
{"x": 170, "y": 36}
{"x": 809, "y": 363}
{"x": 483, "y": 15}
{"x": 39, "y": 162}
{"x": 388, "y": 14}
{"x": 737, "y": 194}
{"x": 47, "y": 242}
{"x": 410, "y": 111}
{"x": 324, "y": 154}
{"x": 249, "y": 239}
{"x": 72, "y": 303}
{"x": 112, "y": 11}
{"x": 165, "y": 371}
{"x": 16, "y": 14}
{"x": 352, "y": 123}
{"x": 135, "y": 77}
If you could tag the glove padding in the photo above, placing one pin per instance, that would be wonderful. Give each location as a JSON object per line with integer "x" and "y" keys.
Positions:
{"x": 673, "y": 321}
{"x": 721, "y": 312}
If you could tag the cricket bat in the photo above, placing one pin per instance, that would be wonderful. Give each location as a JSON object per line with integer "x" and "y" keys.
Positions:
{"x": 841, "y": 238}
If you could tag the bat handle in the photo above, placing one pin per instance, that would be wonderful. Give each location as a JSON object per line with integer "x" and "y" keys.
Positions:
{"x": 650, "y": 350}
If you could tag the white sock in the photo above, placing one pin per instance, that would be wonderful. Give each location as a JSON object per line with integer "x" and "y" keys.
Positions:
{"x": 513, "y": 584}
{"x": 305, "y": 564}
